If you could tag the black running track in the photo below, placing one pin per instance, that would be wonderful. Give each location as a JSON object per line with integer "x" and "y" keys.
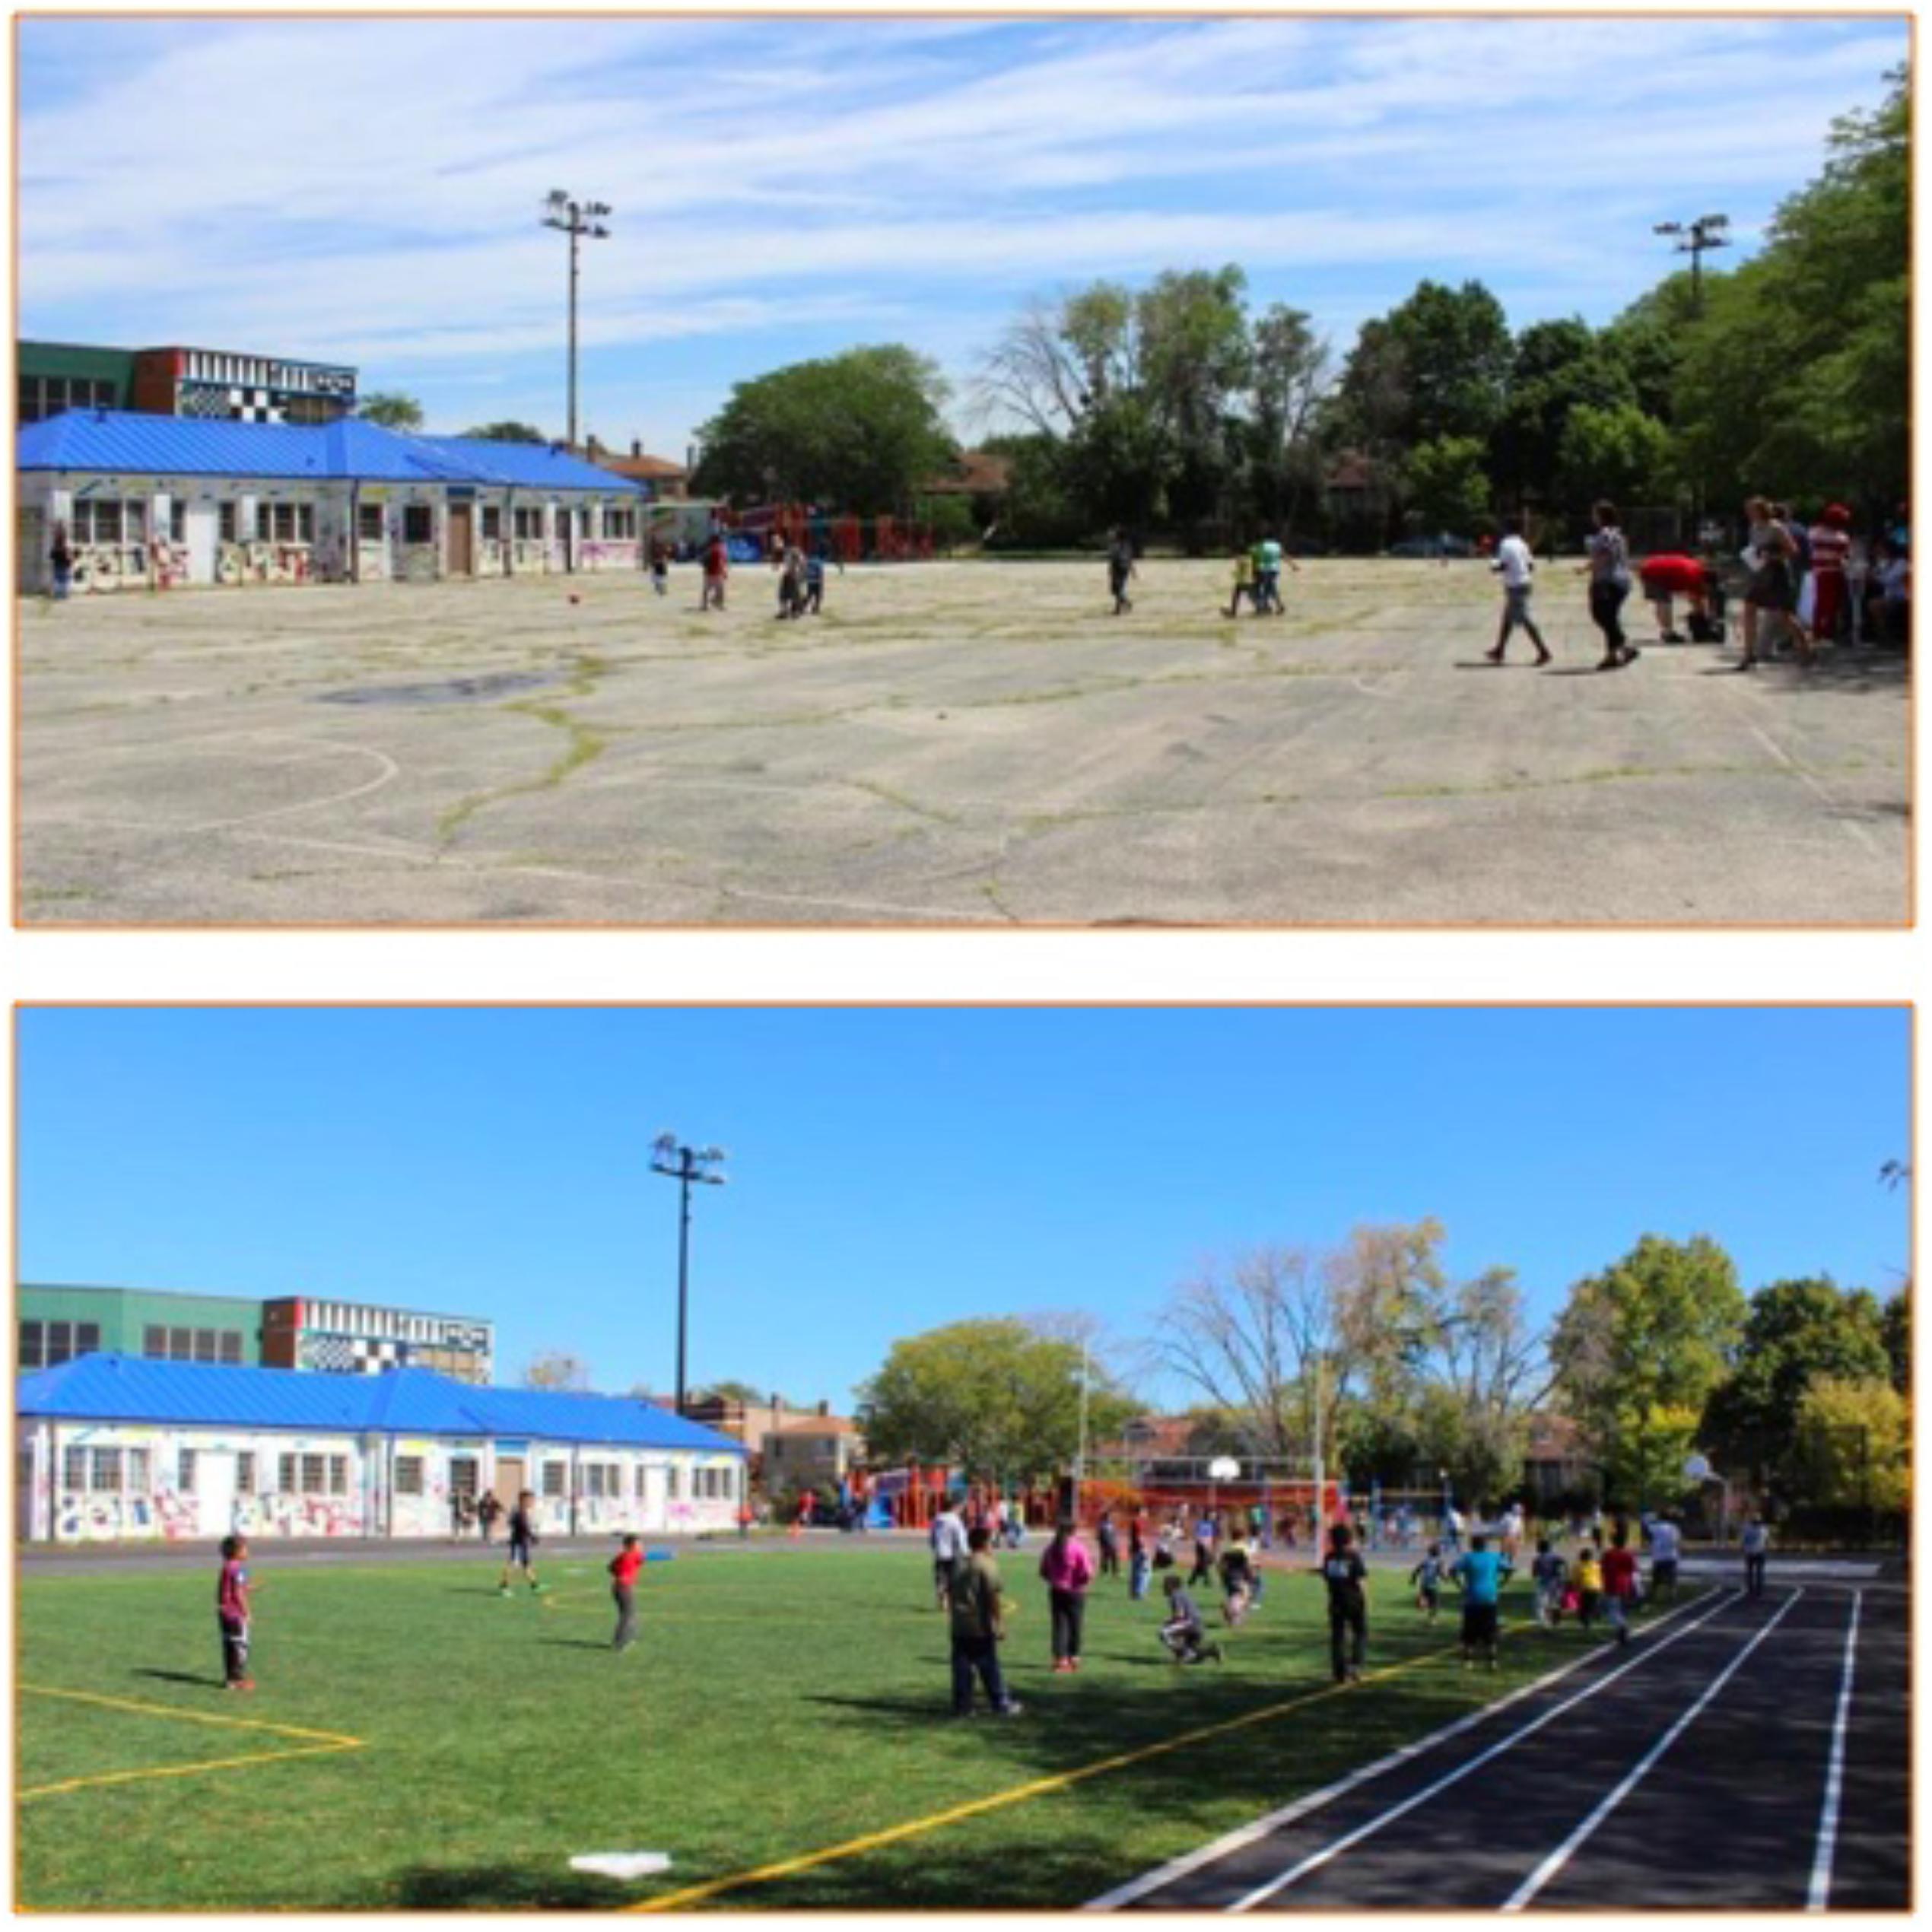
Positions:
{"x": 1728, "y": 1817}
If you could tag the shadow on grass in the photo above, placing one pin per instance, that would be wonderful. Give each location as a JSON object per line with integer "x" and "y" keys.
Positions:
{"x": 575, "y": 1644}
{"x": 503, "y": 1887}
{"x": 189, "y": 1677}
{"x": 1100, "y": 1834}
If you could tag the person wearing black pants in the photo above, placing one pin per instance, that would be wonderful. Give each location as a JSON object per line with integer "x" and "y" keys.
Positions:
{"x": 1067, "y": 1570}
{"x": 1347, "y": 1578}
{"x": 1110, "y": 1547}
{"x": 1609, "y": 585}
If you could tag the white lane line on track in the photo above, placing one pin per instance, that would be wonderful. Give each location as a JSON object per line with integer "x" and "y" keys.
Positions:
{"x": 1315, "y": 1861}
{"x": 1247, "y": 1834}
{"x": 1820, "y": 1894}
{"x": 1637, "y": 1772}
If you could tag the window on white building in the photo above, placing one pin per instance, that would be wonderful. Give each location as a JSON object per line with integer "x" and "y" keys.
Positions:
{"x": 184, "y": 1477}
{"x": 224, "y": 522}
{"x": 245, "y": 1472}
{"x": 104, "y": 1477}
{"x": 552, "y": 1478}
{"x": 369, "y": 522}
{"x": 418, "y": 523}
{"x": 492, "y": 522}
{"x": 138, "y": 1482}
{"x": 463, "y": 1475}
{"x": 74, "y": 1468}
{"x": 408, "y": 1475}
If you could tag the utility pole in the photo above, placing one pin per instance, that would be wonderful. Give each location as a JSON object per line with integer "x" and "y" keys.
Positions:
{"x": 685, "y": 1165}
{"x": 1696, "y": 238}
{"x": 576, "y": 219}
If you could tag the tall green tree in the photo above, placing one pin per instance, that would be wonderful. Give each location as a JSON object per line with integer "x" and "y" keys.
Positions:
{"x": 1796, "y": 1332}
{"x": 855, "y": 432}
{"x": 1796, "y": 380}
{"x": 1555, "y": 369}
{"x": 1446, "y": 482}
{"x": 1853, "y": 1449}
{"x": 994, "y": 1399}
{"x": 1619, "y": 452}
{"x": 390, "y": 408}
{"x": 1456, "y": 355}
{"x": 507, "y": 432}
{"x": 1639, "y": 1350}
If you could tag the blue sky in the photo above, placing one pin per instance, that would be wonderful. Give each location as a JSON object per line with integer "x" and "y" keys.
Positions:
{"x": 366, "y": 191}
{"x": 894, "y": 1170}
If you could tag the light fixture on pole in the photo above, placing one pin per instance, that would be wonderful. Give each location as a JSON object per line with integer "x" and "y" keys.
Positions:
{"x": 576, "y": 219}
{"x": 670, "y": 1158}
{"x": 1696, "y": 237}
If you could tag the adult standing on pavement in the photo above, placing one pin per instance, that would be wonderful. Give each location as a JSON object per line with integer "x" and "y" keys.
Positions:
{"x": 1067, "y": 1570}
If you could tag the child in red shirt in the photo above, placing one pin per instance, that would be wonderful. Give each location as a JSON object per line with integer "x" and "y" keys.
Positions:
{"x": 231, "y": 1612}
{"x": 1619, "y": 1585}
{"x": 624, "y": 1568}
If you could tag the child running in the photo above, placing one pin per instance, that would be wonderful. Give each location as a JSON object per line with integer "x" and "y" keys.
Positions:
{"x": 1183, "y": 1633}
{"x": 523, "y": 1541}
{"x": 231, "y": 1612}
{"x": 1516, "y": 567}
{"x": 1480, "y": 1572}
{"x": 1347, "y": 1578}
{"x": 717, "y": 569}
{"x": 1620, "y": 1583}
{"x": 1238, "y": 1580}
{"x": 1551, "y": 1575}
{"x": 624, "y": 1568}
{"x": 1425, "y": 1579}
{"x": 1589, "y": 1587}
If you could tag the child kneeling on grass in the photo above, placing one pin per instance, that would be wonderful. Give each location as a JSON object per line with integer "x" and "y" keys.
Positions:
{"x": 1183, "y": 1633}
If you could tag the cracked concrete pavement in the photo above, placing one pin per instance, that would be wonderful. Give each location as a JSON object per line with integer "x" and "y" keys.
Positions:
{"x": 976, "y": 742}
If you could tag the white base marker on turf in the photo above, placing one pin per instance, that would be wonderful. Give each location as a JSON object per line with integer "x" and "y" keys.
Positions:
{"x": 621, "y": 1864}
{"x": 1637, "y": 1772}
{"x": 1316, "y": 1860}
{"x": 1247, "y": 1834}
{"x": 1820, "y": 1894}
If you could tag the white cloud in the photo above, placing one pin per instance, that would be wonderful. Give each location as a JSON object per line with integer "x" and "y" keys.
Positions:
{"x": 368, "y": 189}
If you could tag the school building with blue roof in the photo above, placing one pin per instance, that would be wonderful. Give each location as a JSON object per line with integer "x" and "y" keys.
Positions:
{"x": 114, "y": 1447}
{"x": 155, "y": 502}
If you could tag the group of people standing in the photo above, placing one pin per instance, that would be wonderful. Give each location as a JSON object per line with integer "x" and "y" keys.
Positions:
{"x": 1806, "y": 584}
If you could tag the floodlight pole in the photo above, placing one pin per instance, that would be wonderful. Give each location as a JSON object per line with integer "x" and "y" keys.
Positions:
{"x": 576, "y": 219}
{"x": 685, "y": 1165}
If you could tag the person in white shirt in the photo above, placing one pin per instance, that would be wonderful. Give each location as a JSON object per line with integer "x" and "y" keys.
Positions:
{"x": 1516, "y": 567}
{"x": 1757, "y": 1540}
{"x": 950, "y": 1551}
{"x": 1666, "y": 1542}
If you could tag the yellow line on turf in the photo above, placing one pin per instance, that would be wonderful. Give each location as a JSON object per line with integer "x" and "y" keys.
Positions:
{"x": 692, "y": 1895}
{"x": 186, "y": 1770}
{"x": 334, "y": 1739}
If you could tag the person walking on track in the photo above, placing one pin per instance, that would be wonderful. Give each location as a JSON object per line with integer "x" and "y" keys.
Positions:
{"x": 1620, "y": 1583}
{"x": 1757, "y": 1541}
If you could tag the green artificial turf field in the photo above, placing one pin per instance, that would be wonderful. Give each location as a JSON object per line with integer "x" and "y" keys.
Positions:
{"x": 424, "y": 1743}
